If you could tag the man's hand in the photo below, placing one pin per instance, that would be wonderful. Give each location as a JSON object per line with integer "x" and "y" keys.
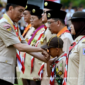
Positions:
{"x": 47, "y": 56}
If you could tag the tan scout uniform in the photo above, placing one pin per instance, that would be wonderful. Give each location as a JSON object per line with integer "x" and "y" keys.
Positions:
{"x": 60, "y": 67}
{"x": 30, "y": 32}
{"x": 76, "y": 64}
{"x": 7, "y": 51}
{"x": 37, "y": 63}
{"x": 67, "y": 39}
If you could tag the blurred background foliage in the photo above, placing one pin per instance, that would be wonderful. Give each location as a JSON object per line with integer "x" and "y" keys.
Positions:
{"x": 76, "y": 3}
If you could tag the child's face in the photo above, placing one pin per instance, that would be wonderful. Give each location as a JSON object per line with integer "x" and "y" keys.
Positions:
{"x": 53, "y": 52}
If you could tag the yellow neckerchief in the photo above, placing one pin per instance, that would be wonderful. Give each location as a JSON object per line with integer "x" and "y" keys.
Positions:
{"x": 62, "y": 31}
{"x": 26, "y": 30}
{"x": 10, "y": 22}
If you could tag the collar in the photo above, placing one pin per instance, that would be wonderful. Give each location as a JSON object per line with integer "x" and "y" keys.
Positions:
{"x": 9, "y": 18}
{"x": 60, "y": 56}
{"x": 62, "y": 30}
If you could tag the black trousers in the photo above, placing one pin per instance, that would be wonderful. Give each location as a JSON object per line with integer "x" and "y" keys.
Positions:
{"x": 2, "y": 82}
{"x": 32, "y": 82}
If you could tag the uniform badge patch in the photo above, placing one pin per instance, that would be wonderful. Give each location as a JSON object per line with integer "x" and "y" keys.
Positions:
{"x": 83, "y": 51}
{"x": 61, "y": 65}
{"x": 9, "y": 29}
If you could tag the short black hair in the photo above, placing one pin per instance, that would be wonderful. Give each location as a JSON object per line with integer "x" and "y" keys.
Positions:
{"x": 9, "y": 4}
{"x": 39, "y": 17}
{"x": 63, "y": 22}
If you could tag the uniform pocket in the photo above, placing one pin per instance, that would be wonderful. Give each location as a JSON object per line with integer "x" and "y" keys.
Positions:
{"x": 6, "y": 60}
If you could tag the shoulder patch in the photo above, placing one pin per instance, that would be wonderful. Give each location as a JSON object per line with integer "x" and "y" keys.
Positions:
{"x": 83, "y": 51}
{"x": 8, "y": 27}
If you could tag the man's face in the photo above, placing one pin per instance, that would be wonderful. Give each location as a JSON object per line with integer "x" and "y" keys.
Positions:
{"x": 35, "y": 21}
{"x": 44, "y": 17}
{"x": 27, "y": 16}
{"x": 53, "y": 26}
{"x": 17, "y": 13}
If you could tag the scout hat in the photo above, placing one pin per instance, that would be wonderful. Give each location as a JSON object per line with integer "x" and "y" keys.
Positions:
{"x": 79, "y": 15}
{"x": 54, "y": 42}
{"x": 56, "y": 14}
{"x": 36, "y": 11}
{"x": 52, "y": 5}
{"x": 29, "y": 7}
{"x": 17, "y": 2}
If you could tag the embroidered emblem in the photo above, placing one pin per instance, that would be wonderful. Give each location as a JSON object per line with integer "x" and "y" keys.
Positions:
{"x": 60, "y": 73}
{"x": 8, "y": 29}
{"x": 61, "y": 65}
{"x": 83, "y": 51}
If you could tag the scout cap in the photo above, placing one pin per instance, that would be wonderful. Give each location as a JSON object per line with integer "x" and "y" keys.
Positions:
{"x": 54, "y": 42}
{"x": 56, "y": 14}
{"x": 17, "y": 2}
{"x": 36, "y": 11}
{"x": 79, "y": 15}
{"x": 52, "y": 5}
{"x": 29, "y": 7}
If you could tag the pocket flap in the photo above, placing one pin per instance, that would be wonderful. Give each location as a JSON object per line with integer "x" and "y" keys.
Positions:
{"x": 6, "y": 60}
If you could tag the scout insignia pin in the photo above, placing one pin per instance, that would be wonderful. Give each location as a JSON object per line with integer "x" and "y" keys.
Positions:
{"x": 33, "y": 10}
{"x": 83, "y": 51}
{"x": 49, "y": 15}
{"x": 26, "y": 7}
{"x": 46, "y": 3}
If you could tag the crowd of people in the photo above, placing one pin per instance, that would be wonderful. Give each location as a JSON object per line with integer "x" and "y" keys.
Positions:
{"x": 70, "y": 10}
{"x": 48, "y": 50}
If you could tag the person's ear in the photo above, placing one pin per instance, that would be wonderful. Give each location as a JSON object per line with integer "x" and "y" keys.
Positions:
{"x": 57, "y": 50}
{"x": 10, "y": 8}
{"x": 59, "y": 23}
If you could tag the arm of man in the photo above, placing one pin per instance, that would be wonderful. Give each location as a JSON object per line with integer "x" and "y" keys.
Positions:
{"x": 40, "y": 56}
{"x": 27, "y": 48}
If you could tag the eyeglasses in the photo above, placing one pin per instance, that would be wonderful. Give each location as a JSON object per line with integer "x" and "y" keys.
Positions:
{"x": 51, "y": 22}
